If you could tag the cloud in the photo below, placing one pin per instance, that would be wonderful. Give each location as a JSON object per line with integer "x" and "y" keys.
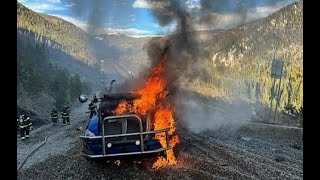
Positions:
{"x": 193, "y": 4}
{"x": 55, "y": 1}
{"x": 71, "y": 5}
{"x": 229, "y": 20}
{"x": 141, "y": 4}
{"x": 206, "y": 20}
{"x": 127, "y": 31}
{"x": 264, "y": 11}
{"x": 42, "y": 7}
{"x": 147, "y": 35}
{"x": 133, "y": 32}
{"x": 150, "y": 4}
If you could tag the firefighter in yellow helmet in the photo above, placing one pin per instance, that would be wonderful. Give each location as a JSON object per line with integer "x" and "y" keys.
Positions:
{"x": 65, "y": 115}
{"x": 25, "y": 125}
{"x": 54, "y": 115}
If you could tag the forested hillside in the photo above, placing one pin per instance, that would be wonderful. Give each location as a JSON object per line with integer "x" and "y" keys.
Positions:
{"x": 57, "y": 33}
{"x": 238, "y": 60}
{"x": 42, "y": 85}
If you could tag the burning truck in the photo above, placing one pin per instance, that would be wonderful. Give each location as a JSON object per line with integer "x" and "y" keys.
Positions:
{"x": 136, "y": 124}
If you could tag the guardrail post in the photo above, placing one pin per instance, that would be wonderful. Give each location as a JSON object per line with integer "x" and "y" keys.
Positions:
{"x": 167, "y": 138}
{"x": 103, "y": 139}
{"x": 141, "y": 142}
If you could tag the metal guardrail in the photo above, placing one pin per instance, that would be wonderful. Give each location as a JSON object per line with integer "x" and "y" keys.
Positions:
{"x": 141, "y": 133}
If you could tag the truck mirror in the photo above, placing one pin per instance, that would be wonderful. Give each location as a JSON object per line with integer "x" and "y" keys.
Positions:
{"x": 83, "y": 98}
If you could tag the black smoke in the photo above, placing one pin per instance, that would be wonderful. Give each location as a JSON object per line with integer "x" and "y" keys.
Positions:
{"x": 185, "y": 53}
{"x": 186, "y": 60}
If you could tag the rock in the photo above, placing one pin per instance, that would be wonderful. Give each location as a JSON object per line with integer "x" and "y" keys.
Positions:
{"x": 279, "y": 158}
{"x": 245, "y": 138}
{"x": 296, "y": 146}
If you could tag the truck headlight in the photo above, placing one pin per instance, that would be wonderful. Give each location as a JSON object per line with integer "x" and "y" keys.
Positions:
{"x": 137, "y": 142}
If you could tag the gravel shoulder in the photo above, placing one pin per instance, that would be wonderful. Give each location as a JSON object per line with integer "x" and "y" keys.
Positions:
{"x": 53, "y": 139}
{"x": 248, "y": 152}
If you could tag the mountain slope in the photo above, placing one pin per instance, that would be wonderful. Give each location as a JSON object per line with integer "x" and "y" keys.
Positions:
{"x": 278, "y": 35}
{"x": 80, "y": 46}
{"x": 128, "y": 52}
{"x": 238, "y": 60}
{"x": 57, "y": 32}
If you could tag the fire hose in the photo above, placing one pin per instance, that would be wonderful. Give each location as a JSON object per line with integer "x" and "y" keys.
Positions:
{"x": 37, "y": 148}
{"x": 33, "y": 151}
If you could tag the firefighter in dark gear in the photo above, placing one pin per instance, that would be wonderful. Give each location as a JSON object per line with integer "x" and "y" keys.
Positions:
{"x": 25, "y": 126}
{"x": 68, "y": 108}
{"x": 65, "y": 115}
{"x": 95, "y": 99}
{"x": 54, "y": 116}
{"x": 92, "y": 108}
{"x": 18, "y": 120}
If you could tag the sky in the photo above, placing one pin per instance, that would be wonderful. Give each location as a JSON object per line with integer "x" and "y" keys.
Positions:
{"x": 136, "y": 17}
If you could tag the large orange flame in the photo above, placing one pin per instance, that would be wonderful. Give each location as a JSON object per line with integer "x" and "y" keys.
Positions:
{"x": 164, "y": 119}
{"x": 153, "y": 98}
{"x": 152, "y": 89}
{"x": 122, "y": 108}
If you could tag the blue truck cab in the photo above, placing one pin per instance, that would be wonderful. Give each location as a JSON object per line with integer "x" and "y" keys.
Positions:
{"x": 108, "y": 135}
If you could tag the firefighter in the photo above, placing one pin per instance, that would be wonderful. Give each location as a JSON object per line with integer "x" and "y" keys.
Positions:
{"x": 54, "y": 115}
{"x": 95, "y": 99}
{"x": 65, "y": 115}
{"x": 25, "y": 126}
{"x": 92, "y": 108}
{"x": 18, "y": 120}
{"x": 68, "y": 108}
